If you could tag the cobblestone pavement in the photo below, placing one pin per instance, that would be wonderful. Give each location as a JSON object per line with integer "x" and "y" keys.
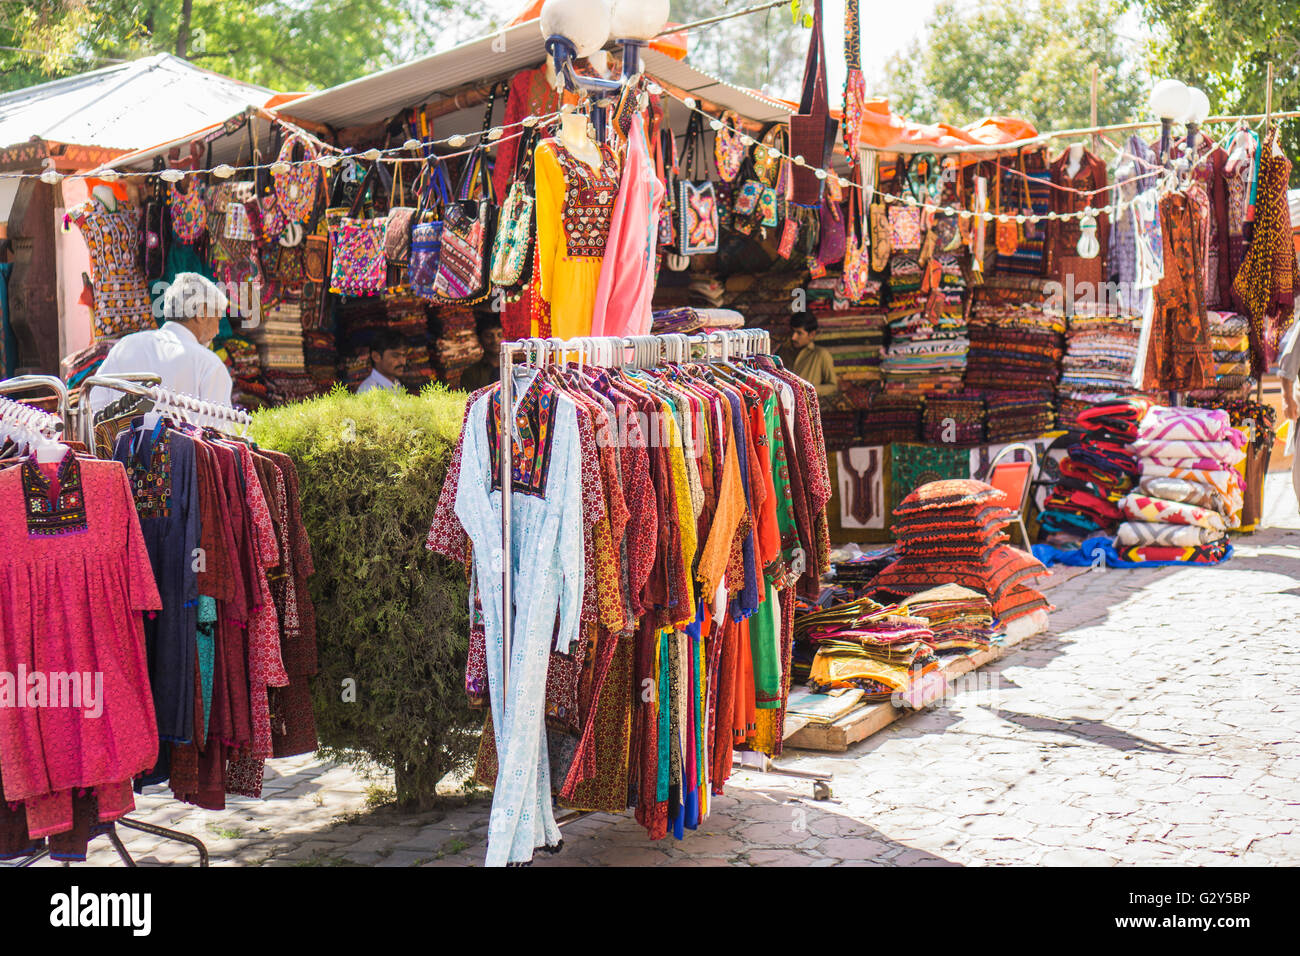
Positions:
{"x": 1157, "y": 721}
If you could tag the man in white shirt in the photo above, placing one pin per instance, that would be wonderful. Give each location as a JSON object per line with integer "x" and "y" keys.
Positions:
{"x": 387, "y": 361}
{"x": 178, "y": 352}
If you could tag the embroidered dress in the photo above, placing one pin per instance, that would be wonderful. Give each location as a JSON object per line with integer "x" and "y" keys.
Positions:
{"x": 122, "y": 301}
{"x": 547, "y": 510}
{"x": 1266, "y": 281}
{"x": 74, "y": 579}
{"x": 575, "y": 204}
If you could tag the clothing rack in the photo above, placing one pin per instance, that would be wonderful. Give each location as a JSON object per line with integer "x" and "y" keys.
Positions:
{"x": 23, "y": 383}
{"x": 638, "y": 351}
{"x": 214, "y": 414}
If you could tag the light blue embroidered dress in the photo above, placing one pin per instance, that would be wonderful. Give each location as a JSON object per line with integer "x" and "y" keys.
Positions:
{"x": 547, "y": 545}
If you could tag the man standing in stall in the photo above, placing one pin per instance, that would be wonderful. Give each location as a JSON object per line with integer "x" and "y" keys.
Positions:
{"x": 811, "y": 362}
{"x": 487, "y": 369}
{"x": 178, "y": 351}
{"x": 387, "y": 361}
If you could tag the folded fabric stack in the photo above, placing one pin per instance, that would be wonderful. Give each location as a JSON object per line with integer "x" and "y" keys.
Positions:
{"x": 857, "y": 572}
{"x": 961, "y": 619}
{"x": 822, "y": 293}
{"x": 926, "y": 354}
{"x": 954, "y": 419}
{"x": 1097, "y": 472}
{"x": 950, "y": 532}
{"x": 1191, "y": 487}
{"x": 279, "y": 337}
{"x": 840, "y": 422}
{"x": 892, "y": 418}
{"x": 1013, "y": 416}
{"x": 455, "y": 347}
{"x": 854, "y": 339}
{"x": 1230, "y": 340}
{"x": 248, "y": 388}
{"x": 877, "y": 649}
{"x": 904, "y": 285}
{"x": 320, "y": 358}
{"x": 1100, "y": 353}
{"x": 79, "y": 366}
{"x": 410, "y": 318}
{"x": 1016, "y": 347}
{"x": 284, "y": 386}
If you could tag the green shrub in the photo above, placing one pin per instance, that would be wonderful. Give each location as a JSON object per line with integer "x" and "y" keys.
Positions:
{"x": 391, "y": 616}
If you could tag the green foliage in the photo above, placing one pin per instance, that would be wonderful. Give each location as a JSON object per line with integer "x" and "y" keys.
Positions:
{"x": 282, "y": 44}
{"x": 1224, "y": 47}
{"x": 391, "y": 616}
{"x": 1030, "y": 60}
{"x": 763, "y": 51}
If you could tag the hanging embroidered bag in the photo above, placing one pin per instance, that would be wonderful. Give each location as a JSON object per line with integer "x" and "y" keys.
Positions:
{"x": 358, "y": 266}
{"x": 463, "y": 261}
{"x": 697, "y": 203}
{"x": 296, "y": 188}
{"x": 728, "y": 151}
{"x": 514, "y": 239}
{"x": 401, "y": 219}
{"x": 426, "y": 234}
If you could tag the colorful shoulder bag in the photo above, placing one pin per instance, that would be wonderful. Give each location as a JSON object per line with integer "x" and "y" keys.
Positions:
{"x": 426, "y": 234}
{"x": 466, "y": 237}
{"x": 358, "y": 265}
{"x": 514, "y": 239}
{"x": 697, "y": 203}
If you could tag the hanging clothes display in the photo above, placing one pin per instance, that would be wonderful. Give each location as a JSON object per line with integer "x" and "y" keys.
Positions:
{"x": 1178, "y": 356}
{"x": 122, "y": 301}
{"x": 1265, "y": 284}
{"x": 663, "y": 516}
{"x": 1076, "y": 190}
{"x": 575, "y": 203}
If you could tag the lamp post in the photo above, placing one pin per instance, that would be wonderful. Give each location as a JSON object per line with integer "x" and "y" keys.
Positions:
{"x": 578, "y": 28}
{"x": 1194, "y": 117}
{"x": 1170, "y": 100}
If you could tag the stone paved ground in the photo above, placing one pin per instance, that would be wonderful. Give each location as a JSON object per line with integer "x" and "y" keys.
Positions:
{"x": 1158, "y": 721}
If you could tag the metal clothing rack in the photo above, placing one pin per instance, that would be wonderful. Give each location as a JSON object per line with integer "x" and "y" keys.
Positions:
{"x": 638, "y": 351}
{"x": 57, "y": 425}
{"x": 214, "y": 414}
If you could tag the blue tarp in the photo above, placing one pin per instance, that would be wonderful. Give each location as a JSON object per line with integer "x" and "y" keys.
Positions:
{"x": 1099, "y": 550}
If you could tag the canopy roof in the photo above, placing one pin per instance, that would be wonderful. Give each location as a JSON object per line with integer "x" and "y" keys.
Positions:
{"x": 125, "y": 106}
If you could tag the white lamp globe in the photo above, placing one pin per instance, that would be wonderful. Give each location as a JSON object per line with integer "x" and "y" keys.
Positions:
{"x": 1170, "y": 99}
{"x": 1199, "y": 108}
{"x": 638, "y": 19}
{"x": 584, "y": 23}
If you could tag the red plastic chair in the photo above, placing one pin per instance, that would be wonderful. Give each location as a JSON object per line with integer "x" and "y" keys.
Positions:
{"x": 1015, "y": 478}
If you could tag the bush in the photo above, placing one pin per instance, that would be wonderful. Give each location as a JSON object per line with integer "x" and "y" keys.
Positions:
{"x": 391, "y": 616}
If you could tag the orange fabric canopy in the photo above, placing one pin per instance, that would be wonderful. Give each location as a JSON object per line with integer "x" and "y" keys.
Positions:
{"x": 883, "y": 129}
{"x": 671, "y": 44}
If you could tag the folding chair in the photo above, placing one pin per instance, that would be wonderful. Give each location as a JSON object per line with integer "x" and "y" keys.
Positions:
{"x": 1016, "y": 479}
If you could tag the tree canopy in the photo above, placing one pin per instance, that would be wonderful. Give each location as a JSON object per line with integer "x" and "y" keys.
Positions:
{"x": 1029, "y": 59}
{"x": 283, "y": 44}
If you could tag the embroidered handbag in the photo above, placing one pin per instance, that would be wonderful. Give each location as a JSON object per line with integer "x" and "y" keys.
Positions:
{"x": 514, "y": 238}
{"x": 358, "y": 266}
{"x": 831, "y": 238}
{"x": 397, "y": 230}
{"x": 728, "y": 151}
{"x": 881, "y": 248}
{"x": 812, "y": 129}
{"x": 666, "y": 168}
{"x": 747, "y": 197}
{"x": 189, "y": 211}
{"x": 697, "y": 203}
{"x": 466, "y": 237}
{"x": 857, "y": 259}
{"x": 904, "y": 228}
{"x": 426, "y": 234}
{"x": 296, "y": 188}
{"x": 155, "y": 236}
{"x": 238, "y": 227}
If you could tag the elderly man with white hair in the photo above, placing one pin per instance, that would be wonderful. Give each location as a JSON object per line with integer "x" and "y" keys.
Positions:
{"x": 178, "y": 352}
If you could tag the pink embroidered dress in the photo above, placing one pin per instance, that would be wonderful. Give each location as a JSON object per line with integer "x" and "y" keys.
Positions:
{"x": 74, "y": 579}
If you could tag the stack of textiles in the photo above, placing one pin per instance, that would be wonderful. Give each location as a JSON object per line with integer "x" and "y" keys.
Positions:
{"x": 892, "y": 418}
{"x": 925, "y": 355}
{"x": 1097, "y": 472}
{"x": 954, "y": 419}
{"x": 688, "y": 321}
{"x": 248, "y": 386}
{"x": 455, "y": 346}
{"x": 1191, "y": 488}
{"x": 1013, "y": 416}
{"x": 904, "y": 285}
{"x": 204, "y": 669}
{"x": 856, "y": 572}
{"x": 1257, "y": 422}
{"x": 79, "y": 366}
{"x": 410, "y": 317}
{"x": 961, "y": 619}
{"x": 320, "y": 358}
{"x": 1016, "y": 347}
{"x": 1100, "y": 353}
{"x": 1026, "y": 191}
{"x": 822, "y": 293}
{"x": 950, "y": 531}
{"x": 1230, "y": 340}
{"x": 279, "y": 337}
{"x": 697, "y": 602}
{"x": 285, "y": 386}
{"x": 841, "y": 422}
{"x": 854, "y": 339}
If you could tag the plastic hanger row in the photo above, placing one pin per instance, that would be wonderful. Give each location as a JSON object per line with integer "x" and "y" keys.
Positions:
{"x": 646, "y": 350}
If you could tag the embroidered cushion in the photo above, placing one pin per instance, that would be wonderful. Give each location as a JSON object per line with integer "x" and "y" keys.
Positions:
{"x": 947, "y": 493}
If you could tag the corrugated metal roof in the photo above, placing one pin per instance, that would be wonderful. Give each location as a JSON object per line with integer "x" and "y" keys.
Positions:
{"x": 125, "y": 106}
{"x": 747, "y": 103}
